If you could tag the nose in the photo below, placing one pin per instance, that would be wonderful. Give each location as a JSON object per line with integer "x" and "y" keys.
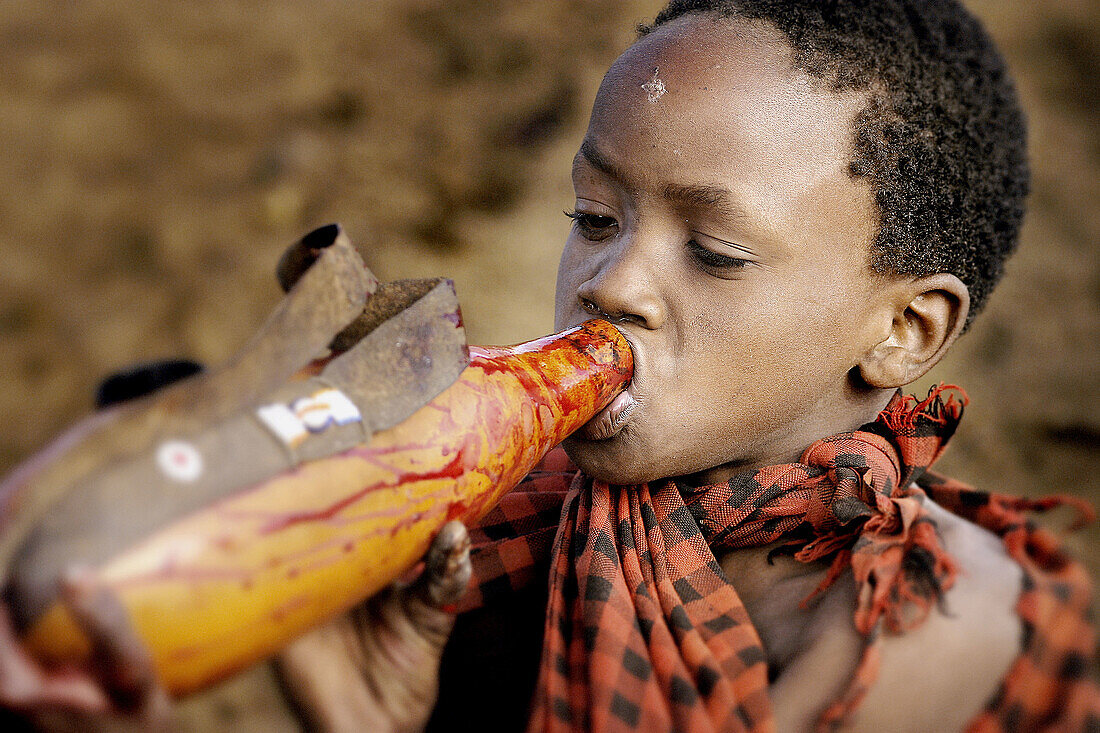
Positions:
{"x": 625, "y": 287}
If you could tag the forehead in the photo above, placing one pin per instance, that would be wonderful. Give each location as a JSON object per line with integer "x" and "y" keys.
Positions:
{"x": 720, "y": 99}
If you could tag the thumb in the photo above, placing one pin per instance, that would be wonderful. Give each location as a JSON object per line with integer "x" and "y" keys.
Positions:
{"x": 430, "y": 599}
{"x": 122, "y": 662}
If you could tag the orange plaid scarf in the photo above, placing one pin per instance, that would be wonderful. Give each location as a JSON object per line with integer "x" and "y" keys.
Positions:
{"x": 645, "y": 632}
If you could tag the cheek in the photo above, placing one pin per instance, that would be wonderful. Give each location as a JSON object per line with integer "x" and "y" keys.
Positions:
{"x": 570, "y": 277}
{"x": 562, "y": 295}
{"x": 771, "y": 342}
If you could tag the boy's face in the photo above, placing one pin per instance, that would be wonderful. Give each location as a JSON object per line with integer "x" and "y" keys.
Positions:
{"x": 719, "y": 225}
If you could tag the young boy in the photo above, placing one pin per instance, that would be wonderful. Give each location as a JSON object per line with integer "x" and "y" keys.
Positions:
{"x": 790, "y": 209}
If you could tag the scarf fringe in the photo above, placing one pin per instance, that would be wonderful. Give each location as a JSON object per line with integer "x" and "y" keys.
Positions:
{"x": 943, "y": 405}
{"x": 834, "y": 716}
{"x": 1084, "y": 513}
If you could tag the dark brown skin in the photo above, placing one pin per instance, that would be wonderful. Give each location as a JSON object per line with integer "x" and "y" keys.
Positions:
{"x": 758, "y": 327}
{"x": 749, "y": 300}
{"x": 377, "y": 667}
{"x": 720, "y": 228}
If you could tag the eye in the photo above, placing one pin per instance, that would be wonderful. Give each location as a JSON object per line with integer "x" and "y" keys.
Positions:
{"x": 713, "y": 260}
{"x": 593, "y": 226}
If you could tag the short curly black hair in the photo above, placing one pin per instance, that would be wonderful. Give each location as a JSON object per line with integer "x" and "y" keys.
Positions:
{"x": 942, "y": 139}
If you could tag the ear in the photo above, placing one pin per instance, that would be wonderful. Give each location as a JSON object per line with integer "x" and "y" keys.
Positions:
{"x": 927, "y": 315}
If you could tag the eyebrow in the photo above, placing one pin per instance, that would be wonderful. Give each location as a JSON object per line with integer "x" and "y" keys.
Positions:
{"x": 696, "y": 196}
{"x": 715, "y": 198}
{"x": 597, "y": 160}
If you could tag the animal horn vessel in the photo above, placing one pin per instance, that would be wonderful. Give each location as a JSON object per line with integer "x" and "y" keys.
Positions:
{"x": 234, "y": 510}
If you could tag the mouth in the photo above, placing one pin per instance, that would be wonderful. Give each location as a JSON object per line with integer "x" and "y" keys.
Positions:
{"x": 609, "y": 421}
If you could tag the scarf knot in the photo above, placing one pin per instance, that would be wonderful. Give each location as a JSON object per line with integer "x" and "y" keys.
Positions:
{"x": 859, "y": 473}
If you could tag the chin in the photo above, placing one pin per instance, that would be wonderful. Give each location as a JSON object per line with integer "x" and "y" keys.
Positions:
{"x": 610, "y": 461}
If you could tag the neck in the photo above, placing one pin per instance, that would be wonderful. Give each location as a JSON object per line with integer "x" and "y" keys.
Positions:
{"x": 857, "y": 407}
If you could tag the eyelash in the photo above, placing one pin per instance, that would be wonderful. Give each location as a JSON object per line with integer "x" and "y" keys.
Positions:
{"x": 591, "y": 230}
{"x": 587, "y": 224}
{"x": 713, "y": 259}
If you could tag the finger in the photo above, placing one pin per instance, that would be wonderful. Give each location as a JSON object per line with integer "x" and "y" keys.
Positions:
{"x": 120, "y": 659}
{"x": 26, "y": 687}
{"x": 424, "y": 608}
{"x": 447, "y": 569}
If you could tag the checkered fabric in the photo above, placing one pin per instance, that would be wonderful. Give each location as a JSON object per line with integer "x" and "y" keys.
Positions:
{"x": 1049, "y": 687}
{"x": 645, "y": 632}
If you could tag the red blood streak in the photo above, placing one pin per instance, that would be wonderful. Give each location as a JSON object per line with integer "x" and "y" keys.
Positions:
{"x": 453, "y": 470}
{"x": 457, "y": 510}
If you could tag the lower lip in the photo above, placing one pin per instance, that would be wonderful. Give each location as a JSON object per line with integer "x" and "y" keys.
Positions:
{"x": 611, "y": 419}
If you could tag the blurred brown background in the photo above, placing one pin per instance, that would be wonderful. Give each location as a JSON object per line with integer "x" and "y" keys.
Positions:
{"x": 157, "y": 157}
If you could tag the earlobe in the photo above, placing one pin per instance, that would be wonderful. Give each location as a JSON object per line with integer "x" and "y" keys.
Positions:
{"x": 929, "y": 315}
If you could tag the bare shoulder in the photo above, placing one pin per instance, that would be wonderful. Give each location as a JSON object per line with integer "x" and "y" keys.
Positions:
{"x": 940, "y": 675}
{"x": 936, "y": 677}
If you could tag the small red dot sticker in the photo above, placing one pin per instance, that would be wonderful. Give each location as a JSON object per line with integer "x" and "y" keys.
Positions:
{"x": 180, "y": 461}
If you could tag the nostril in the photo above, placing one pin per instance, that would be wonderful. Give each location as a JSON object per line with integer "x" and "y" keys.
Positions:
{"x": 591, "y": 307}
